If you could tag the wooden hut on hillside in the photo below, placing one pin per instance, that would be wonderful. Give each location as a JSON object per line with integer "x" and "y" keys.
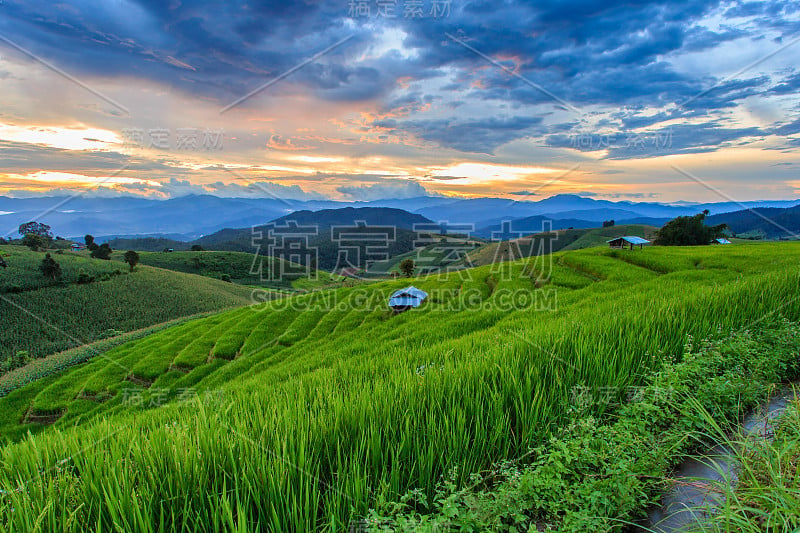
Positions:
{"x": 626, "y": 241}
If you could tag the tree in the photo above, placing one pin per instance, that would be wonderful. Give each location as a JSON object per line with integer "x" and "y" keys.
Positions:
{"x": 608, "y": 223}
{"x": 688, "y": 231}
{"x": 90, "y": 244}
{"x": 33, "y": 241}
{"x": 102, "y": 252}
{"x": 50, "y": 269}
{"x": 407, "y": 267}
{"x": 37, "y": 228}
{"x": 197, "y": 248}
{"x": 132, "y": 258}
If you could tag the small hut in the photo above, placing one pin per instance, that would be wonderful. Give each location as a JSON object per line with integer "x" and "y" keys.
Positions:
{"x": 626, "y": 241}
{"x": 721, "y": 240}
{"x": 405, "y": 299}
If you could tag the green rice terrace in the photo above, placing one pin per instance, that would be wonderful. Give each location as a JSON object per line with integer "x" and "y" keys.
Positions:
{"x": 95, "y": 299}
{"x": 305, "y": 412}
{"x": 236, "y": 267}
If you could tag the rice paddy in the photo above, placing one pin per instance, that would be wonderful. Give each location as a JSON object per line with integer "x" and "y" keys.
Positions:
{"x": 302, "y": 413}
{"x": 43, "y": 317}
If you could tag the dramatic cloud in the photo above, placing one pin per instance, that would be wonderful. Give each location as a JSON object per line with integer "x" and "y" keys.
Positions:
{"x": 397, "y": 189}
{"x": 342, "y": 92}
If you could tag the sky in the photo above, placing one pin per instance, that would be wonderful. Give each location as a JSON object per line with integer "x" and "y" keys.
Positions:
{"x": 693, "y": 100}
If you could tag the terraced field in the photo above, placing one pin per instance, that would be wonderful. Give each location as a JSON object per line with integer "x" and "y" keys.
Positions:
{"x": 302, "y": 413}
{"x": 237, "y": 267}
{"x": 561, "y": 240}
{"x": 42, "y": 316}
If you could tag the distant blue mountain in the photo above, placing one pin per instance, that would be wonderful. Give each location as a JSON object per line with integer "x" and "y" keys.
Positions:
{"x": 196, "y": 215}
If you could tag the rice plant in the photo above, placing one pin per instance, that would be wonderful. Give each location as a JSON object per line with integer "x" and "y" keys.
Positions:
{"x": 358, "y": 405}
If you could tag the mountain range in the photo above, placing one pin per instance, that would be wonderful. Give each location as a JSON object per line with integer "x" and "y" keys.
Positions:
{"x": 190, "y": 217}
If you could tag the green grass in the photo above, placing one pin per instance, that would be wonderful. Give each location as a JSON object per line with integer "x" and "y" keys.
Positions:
{"x": 242, "y": 268}
{"x": 567, "y": 239}
{"x": 46, "y": 317}
{"x": 765, "y": 496}
{"x": 330, "y": 403}
{"x": 23, "y": 272}
{"x": 431, "y": 258}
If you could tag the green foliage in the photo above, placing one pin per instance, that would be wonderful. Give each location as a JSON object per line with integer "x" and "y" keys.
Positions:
{"x": 236, "y": 267}
{"x": 93, "y": 297}
{"x": 764, "y": 496}
{"x": 84, "y": 277}
{"x": 90, "y": 244}
{"x": 36, "y": 228}
{"x": 34, "y": 242}
{"x": 688, "y": 231}
{"x": 102, "y": 252}
{"x": 17, "y": 360}
{"x": 196, "y": 248}
{"x": 332, "y": 406}
{"x": 407, "y": 267}
{"x": 132, "y": 258}
{"x": 50, "y": 268}
{"x": 601, "y": 474}
{"x": 23, "y": 272}
{"x": 570, "y": 239}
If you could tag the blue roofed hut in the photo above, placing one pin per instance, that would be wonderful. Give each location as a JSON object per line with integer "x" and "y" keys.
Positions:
{"x": 628, "y": 240}
{"x": 408, "y": 298}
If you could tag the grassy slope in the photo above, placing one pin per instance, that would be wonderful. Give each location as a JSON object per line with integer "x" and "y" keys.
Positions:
{"x": 47, "y": 317}
{"x": 765, "y": 496}
{"x": 428, "y": 258}
{"x": 239, "y": 266}
{"x": 331, "y": 403}
{"x": 568, "y": 239}
{"x": 23, "y": 273}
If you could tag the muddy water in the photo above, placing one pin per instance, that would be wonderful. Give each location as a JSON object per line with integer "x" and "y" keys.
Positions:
{"x": 687, "y": 503}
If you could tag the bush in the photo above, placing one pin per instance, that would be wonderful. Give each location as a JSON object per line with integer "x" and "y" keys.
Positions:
{"x": 132, "y": 258}
{"x": 83, "y": 277}
{"x": 102, "y": 252}
{"x": 34, "y": 242}
{"x": 50, "y": 269}
{"x": 16, "y": 360}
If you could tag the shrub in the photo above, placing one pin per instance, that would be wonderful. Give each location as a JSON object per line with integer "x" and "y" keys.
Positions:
{"x": 33, "y": 241}
{"x": 102, "y": 252}
{"x": 50, "y": 269}
{"x": 84, "y": 277}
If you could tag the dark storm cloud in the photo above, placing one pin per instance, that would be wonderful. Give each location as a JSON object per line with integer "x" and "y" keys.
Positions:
{"x": 585, "y": 52}
{"x": 677, "y": 139}
{"x": 479, "y": 135}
